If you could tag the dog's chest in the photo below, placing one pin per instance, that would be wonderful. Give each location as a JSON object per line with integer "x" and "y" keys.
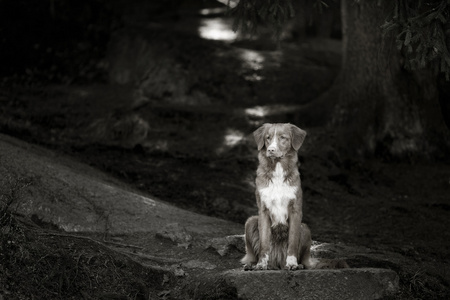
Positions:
{"x": 277, "y": 196}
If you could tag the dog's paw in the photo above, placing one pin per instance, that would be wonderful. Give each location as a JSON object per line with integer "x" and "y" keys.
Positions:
{"x": 247, "y": 267}
{"x": 291, "y": 263}
{"x": 263, "y": 263}
{"x": 260, "y": 266}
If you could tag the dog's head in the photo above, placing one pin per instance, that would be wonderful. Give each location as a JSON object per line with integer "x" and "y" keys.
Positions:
{"x": 279, "y": 139}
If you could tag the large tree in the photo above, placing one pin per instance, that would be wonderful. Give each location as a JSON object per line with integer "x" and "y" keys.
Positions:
{"x": 388, "y": 96}
{"x": 389, "y": 101}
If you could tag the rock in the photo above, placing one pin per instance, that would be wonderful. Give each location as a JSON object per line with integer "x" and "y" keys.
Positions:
{"x": 78, "y": 198}
{"x": 198, "y": 264}
{"x": 327, "y": 250}
{"x": 176, "y": 233}
{"x": 367, "y": 283}
{"x": 179, "y": 272}
{"x": 164, "y": 294}
{"x": 184, "y": 245}
{"x": 224, "y": 244}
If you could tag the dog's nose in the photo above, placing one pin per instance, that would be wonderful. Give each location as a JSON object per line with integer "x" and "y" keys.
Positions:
{"x": 271, "y": 149}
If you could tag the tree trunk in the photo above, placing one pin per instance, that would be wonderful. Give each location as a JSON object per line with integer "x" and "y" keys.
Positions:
{"x": 383, "y": 109}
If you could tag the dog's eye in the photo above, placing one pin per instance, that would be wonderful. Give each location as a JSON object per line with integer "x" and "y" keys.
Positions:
{"x": 268, "y": 137}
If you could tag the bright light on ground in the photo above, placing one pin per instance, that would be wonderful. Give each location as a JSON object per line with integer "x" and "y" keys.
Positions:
{"x": 268, "y": 110}
{"x": 211, "y": 11}
{"x": 216, "y": 29}
{"x": 231, "y": 138}
{"x": 231, "y": 3}
{"x": 257, "y": 111}
{"x": 254, "y": 59}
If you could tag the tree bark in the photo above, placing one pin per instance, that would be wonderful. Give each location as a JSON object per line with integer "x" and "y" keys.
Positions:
{"x": 383, "y": 109}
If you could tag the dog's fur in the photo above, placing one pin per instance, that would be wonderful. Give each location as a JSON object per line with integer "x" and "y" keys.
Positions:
{"x": 277, "y": 238}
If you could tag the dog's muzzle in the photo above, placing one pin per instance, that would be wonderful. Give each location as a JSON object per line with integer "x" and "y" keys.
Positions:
{"x": 273, "y": 153}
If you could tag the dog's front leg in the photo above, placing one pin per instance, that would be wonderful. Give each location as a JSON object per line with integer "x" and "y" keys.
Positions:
{"x": 264, "y": 239}
{"x": 295, "y": 221}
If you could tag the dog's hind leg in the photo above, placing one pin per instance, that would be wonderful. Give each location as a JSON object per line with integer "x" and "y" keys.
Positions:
{"x": 251, "y": 243}
{"x": 305, "y": 257}
{"x": 305, "y": 247}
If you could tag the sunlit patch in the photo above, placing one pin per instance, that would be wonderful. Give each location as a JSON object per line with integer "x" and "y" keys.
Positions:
{"x": 254, "y": 77}
{"x": 213, "y": 11}
{"x": 230, "y": 3}
{"x": 257, "y": 111}
{"x": 216, "y": 29}
{"x": 254, "y": 59}
{"x": 270, "y": 110}
{"x": 231, "y": 138}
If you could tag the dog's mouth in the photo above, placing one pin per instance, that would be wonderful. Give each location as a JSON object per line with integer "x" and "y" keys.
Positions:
{"x": 275, "y": 155}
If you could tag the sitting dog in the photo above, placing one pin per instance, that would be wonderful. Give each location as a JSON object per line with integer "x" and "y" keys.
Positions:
{"x": 277, "y": 238}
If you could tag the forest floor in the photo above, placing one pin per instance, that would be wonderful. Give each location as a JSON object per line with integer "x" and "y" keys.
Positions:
{"x": 202, "y": 157}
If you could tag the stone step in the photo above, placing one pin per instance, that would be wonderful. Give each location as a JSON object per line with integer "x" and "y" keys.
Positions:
{"x": 364, "y": 283}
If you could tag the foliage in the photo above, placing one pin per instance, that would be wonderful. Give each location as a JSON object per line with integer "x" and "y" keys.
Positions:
{"x": 423, "y": 33}
{"x": 249, "y": 14}
{"x": 36, "y": 263}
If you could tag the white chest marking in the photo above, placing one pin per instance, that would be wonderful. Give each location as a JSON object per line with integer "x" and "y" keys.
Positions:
{"x": 277, "y": 196}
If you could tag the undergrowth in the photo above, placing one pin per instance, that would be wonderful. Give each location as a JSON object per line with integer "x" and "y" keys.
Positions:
{"x": 41, "y": 264}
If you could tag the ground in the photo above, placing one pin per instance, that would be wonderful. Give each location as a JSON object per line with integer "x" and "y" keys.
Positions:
{"x": 199, "y": 155}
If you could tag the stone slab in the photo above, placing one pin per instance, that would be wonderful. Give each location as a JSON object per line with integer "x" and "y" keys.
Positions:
{"x": 345, "y": 284}
{"x": 75, "y": 197}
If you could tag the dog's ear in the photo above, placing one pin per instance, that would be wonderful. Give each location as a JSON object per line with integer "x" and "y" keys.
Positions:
{"x": 298, "y": 136}
{"x": 260, "y": 134}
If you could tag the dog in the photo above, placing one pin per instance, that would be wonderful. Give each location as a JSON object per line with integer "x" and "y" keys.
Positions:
{"x": 277, "y": 238}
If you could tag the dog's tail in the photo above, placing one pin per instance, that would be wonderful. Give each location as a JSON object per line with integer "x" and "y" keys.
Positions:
{"x": 323, "y": 263}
